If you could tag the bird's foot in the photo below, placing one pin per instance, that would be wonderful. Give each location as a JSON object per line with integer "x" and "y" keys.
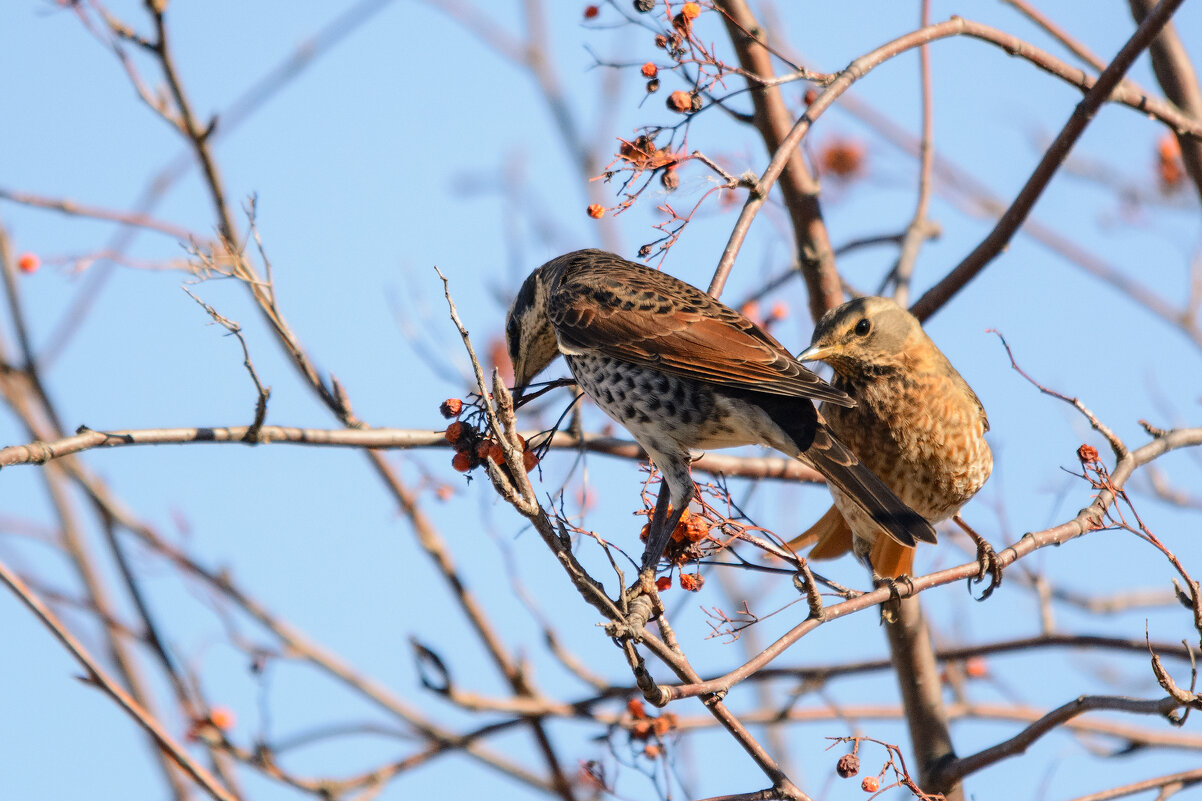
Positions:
{"x": 987, "y": 558}
{"x": 889, "y": 608}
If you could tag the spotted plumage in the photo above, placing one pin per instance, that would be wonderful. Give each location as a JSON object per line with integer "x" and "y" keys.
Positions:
{"x": 916, "y": 423}
{"x": 683, "y": 372}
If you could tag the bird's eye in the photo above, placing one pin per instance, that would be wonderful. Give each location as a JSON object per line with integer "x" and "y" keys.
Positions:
{"x": 863, "y": 327}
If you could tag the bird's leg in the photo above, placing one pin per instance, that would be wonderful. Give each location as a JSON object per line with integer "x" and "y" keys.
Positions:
{"x": 663, "y": 523}
{"x": 987, "y": 558}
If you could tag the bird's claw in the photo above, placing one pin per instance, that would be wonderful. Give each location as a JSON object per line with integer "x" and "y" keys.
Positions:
{"x": 990, "y": 566}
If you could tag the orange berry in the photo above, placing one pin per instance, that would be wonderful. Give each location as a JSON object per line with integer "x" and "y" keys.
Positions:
{"x": 636, "y": 709}
{"x": 652, "y": 751}
{"x": 1168, "y": 147}
{"x": 662, "y": 725}
{"x": 975, "y": 667}
{"x": 780, "y": 310}
{"x": 650, "y": 70}
{"x": 529, "y": 460}
{"x": 462, "y": 461}
{"x": 28, "y": 263}
{"x": 645, "y": 532}
{"x": 590, "y": 12}
{"x": 680, "y": 100}
{"x": 641, "y": 729}
{"x": 690, "y": 10}
{"x": 444, "y": 492}
{"x": 870, "y": 784}
{"x": 663, "y": 583}
{"x": 595, "y": 210}
{"x": 696, "y": 528}
{"x": 454, "y": 432}
{"x": 691, "y": 582}
{"x": 451, "y": 407}
{"x": 222, "y": 717}
{"x": 751, "y": 310}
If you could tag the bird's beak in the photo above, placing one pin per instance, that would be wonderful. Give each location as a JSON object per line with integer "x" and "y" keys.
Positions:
{"x": 816, "y": 353}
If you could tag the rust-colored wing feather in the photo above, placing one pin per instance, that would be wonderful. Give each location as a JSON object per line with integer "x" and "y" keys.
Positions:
{"x": 606, "y": 305}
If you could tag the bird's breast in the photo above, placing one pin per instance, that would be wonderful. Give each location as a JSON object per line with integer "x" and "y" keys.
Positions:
{"x": 923, "y": 436}
{"x": 660, "y": 408}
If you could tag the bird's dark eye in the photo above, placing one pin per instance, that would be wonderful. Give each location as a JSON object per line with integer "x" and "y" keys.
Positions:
{"x": 863, "y": 327}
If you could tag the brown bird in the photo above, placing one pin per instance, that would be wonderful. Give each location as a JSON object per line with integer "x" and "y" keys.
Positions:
{"x": 681, "y": 371}
{"x": 916, "y": 424}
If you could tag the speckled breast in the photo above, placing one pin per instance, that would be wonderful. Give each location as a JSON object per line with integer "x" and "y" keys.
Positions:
{"x": 923, "y": 435}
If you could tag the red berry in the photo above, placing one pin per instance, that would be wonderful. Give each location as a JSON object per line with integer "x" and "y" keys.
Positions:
{"x": 451, "y": 407}
{"x": 663, "y": 583}
{"x": 28, "y": 263}
{"x": 591, "y": 12}
{"x": 462, "y": 461}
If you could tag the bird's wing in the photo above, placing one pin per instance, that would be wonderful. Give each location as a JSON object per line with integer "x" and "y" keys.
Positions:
{"x": 626, "y": 311}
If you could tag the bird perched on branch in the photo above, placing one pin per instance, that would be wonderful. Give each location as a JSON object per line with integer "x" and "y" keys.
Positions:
{"x": 681, "y": 371}
{"x": 916, "y": 424}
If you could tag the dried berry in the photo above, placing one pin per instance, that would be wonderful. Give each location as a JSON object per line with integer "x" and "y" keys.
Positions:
{"x": 653, "y": 85}
{"x": 529, "y": 460}
{"x": 643, "y": 6}
{"x": 451, "y": 407}
{"x": 669, "y": 179}
{"x": 644, "y": 251}
{"x": 847, "y": 766}
{"x": 462, "y": 461}
{"x": 1087, "y": 453}
{"x": 692, "y": 582}
{"x": 661, "y": 41}
{"x": 650, "y": 70}
{"x": 454, "y": 432}
{"x": 680, "y": 100}
{"x": 842, "y": 158}
{"x": 595, "y": 210}
{"x": 870, "y": 784}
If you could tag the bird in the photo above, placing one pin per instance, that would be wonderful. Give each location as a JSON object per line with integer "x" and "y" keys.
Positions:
{"x": 916, "y": 423}
{"x": 683, "y": 372}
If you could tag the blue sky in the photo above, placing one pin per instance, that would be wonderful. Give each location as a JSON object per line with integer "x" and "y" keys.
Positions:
{"x": 387, "y": 157}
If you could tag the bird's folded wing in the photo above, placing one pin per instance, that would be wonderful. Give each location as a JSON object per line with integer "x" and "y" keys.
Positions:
{"x": 654, "y": 320}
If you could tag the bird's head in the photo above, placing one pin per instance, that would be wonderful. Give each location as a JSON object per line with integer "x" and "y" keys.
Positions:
{"x": 863, "y": 337}
{"x": 529, "y": 334}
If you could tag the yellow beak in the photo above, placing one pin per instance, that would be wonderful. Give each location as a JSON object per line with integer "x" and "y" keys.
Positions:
{"x": 816, "y": 353}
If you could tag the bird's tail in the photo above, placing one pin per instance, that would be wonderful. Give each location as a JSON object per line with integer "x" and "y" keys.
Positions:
{"x": 831, "y": 538}
{"x": 844, "y": 470}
